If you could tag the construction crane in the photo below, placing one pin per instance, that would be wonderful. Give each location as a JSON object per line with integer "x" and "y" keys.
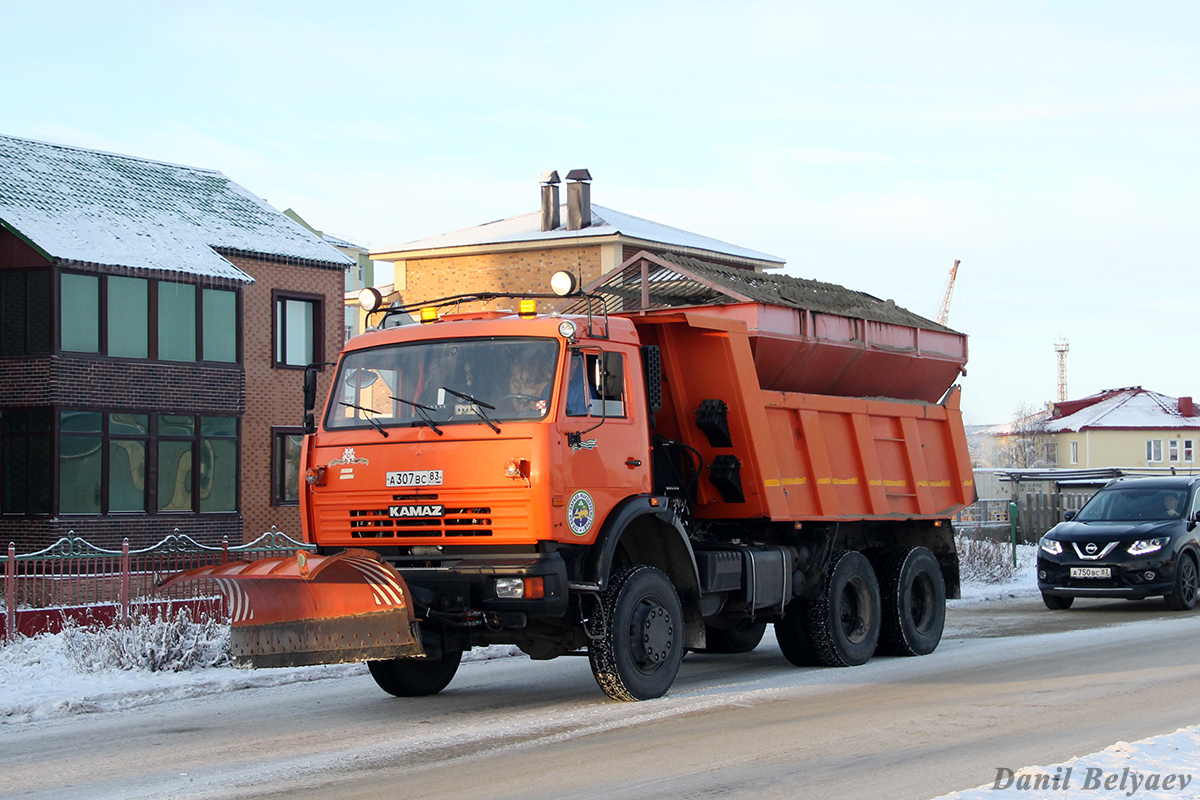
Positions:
{"x": 944, "y": 310}
{"x": 1061, "y": 347}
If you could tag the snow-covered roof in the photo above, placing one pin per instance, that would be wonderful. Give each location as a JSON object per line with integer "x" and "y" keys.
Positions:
{"x": 1129, "y": 408}
{"x": 92, "y": 207}
{"x": 605, "y": 222}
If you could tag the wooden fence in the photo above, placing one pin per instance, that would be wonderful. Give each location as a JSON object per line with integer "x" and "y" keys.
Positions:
{"x": 1037, "y": 512}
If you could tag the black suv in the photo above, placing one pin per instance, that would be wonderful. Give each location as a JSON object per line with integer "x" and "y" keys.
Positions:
{"x": 1134, "y": 538}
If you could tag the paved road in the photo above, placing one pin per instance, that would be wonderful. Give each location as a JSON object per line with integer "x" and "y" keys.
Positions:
{"x": 733, "y": 726}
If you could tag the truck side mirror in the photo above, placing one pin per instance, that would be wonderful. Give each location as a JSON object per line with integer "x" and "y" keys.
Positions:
{"x": 310, "y": 389}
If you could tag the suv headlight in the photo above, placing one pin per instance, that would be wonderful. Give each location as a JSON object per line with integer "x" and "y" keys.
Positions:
{"x": 1051, "y": 546}
{"x": 1143, "y": 546}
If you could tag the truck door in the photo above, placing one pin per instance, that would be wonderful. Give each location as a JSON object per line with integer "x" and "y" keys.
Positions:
{"x": 607, "y": 457}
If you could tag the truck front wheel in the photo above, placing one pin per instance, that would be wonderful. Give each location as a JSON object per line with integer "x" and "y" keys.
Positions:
{"x": 913, "y": 593}
{"x": 637, "y": 654}
{"x": 844, "y": 622}
{"x": 415, "y": 677}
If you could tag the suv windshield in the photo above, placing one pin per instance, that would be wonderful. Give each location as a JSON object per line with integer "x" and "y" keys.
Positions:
{"x": 444, "y": 381}
{"x": 1131, "y": 503}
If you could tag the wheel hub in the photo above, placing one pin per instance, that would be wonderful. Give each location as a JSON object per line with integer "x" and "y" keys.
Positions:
{"x": 653, "y": 635}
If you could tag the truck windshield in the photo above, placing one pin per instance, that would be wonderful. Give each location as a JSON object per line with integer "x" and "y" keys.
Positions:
{"x": 444, "y": 381}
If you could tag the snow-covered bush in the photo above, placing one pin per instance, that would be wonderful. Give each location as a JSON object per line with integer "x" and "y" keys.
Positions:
{"x": 983, "y": 560}
{"x": 162, "y": 643}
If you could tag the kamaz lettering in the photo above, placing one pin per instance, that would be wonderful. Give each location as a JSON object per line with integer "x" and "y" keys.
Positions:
{"x": 416, "y": 511}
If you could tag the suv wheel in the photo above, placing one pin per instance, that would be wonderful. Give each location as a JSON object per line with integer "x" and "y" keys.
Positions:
{"x": 1187, "y": 581}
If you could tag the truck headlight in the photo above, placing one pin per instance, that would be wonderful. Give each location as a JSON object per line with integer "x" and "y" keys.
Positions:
{"x": 1143, "y": 546}
{"x": 510, "y": 588}
{"x": 520, "y": 588}
{"x": 1051, "y": 546}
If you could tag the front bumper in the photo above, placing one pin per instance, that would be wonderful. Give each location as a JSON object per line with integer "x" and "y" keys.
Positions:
{"x": 1131, "y": 577}
{"x": 463, "y": 590}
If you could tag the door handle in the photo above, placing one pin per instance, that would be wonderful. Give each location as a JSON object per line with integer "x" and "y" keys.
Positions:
{"x": 633, "y": 462}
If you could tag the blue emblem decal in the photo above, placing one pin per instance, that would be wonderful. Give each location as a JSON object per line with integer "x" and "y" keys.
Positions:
{"x": 581, "y": 512}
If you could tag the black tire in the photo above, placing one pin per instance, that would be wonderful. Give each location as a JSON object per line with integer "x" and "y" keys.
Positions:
{"x": 844, "y": 622}
{"x": 913, "y": 595}
{"x": 741, "y": 637}
{"x": 1187, "y": 584}
{"x": 791, "y": 633}
{"x": 1056, "y": 602}
{"x": 415, "y": 677}
{"x": 638, "y": 653}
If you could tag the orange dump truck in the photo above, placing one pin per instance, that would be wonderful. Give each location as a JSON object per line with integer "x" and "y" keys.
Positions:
{"x": 682, "y": 456}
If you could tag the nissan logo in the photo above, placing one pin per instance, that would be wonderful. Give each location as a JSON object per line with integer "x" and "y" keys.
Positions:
{"x": 1091, "y": 548}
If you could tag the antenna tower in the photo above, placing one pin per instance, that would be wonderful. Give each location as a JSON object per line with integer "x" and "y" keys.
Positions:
{"x": 1061, "y": 347}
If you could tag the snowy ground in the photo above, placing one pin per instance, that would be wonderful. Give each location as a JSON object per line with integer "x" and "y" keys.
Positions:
{"x": 44, "y": 679}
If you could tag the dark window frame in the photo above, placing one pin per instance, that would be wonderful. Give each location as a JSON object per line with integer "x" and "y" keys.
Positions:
{"x": 278, "y": 463}
{"x": 318, "y": 344}
{"x": 36, "y": 313}
{"x": 49, "y": 449}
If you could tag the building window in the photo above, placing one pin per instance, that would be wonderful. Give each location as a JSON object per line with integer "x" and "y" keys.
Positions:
{"x": 1052, "y": 453}
{"x": 176, "y": 321}
{"x": 285, "y": 465}
{"x": 25, "y": 466}
{"x": 1189, "y": 451}
{"x": 142, "y": 318}
{"x": 1173, "y": 450}
{"x": 299, "y": 324}
{"x": 1154, "y": 450}
{"x": 80, "y": 468}
{"x": 1074, "y": 452}
{"x": 24, "y": 312}
{"x": 128, "y": 305}
{"x": 80, "y": 313}
{"x": 220, "y": 325}
{"x": 128, "y": 446}
{"x": 197, "y": 463}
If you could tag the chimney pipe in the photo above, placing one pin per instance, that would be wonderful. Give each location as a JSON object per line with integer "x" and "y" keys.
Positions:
{"x": 579, "y": 199}
{"x": 550, "y": 183}
{"x": 1186, "y": 407}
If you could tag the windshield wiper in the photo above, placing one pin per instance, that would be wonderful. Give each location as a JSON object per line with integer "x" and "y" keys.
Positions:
{"x": 476, "y": 405}
{"x": 420, "y": 412}
{"x": 378, "y": 425}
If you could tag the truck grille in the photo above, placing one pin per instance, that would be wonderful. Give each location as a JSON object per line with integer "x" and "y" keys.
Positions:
{"x": 367, "y": 523}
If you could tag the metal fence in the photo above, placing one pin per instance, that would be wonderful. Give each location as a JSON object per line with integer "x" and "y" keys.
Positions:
{"x": 75, "y": 580}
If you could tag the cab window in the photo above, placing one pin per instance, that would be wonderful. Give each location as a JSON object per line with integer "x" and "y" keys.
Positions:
{"x": 596, "y": 385}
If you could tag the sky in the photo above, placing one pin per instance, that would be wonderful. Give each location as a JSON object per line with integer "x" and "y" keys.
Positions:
{"x": 1051, "y": 147}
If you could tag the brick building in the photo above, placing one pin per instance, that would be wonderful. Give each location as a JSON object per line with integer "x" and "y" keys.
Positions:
{"x": 155, "y": 322}
{"x": 520, "y": 253}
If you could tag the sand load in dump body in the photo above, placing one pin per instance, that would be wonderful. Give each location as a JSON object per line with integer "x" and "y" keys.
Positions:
{"x": 806, "y": 336}
{"x": 761, "y": 392}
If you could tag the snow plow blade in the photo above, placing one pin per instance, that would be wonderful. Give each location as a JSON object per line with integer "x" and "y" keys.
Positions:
{"x": 311, "y": 609}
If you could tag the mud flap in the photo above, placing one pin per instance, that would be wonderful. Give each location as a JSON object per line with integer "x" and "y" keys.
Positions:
{"x": 311, "y": 609}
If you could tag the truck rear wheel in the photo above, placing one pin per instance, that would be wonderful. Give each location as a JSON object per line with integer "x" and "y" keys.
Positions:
{"x": 844, "y": 622}
{"x": 913, "y": 593}
{"x": 792, "y": 634}
{"x": 638, "y": 652}
{"x": 415, "y": 677}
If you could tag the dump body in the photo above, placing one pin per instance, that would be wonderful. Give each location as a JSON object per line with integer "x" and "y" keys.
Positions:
{"x": 815, "y": 352}
{"x": 803, "y": 456}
